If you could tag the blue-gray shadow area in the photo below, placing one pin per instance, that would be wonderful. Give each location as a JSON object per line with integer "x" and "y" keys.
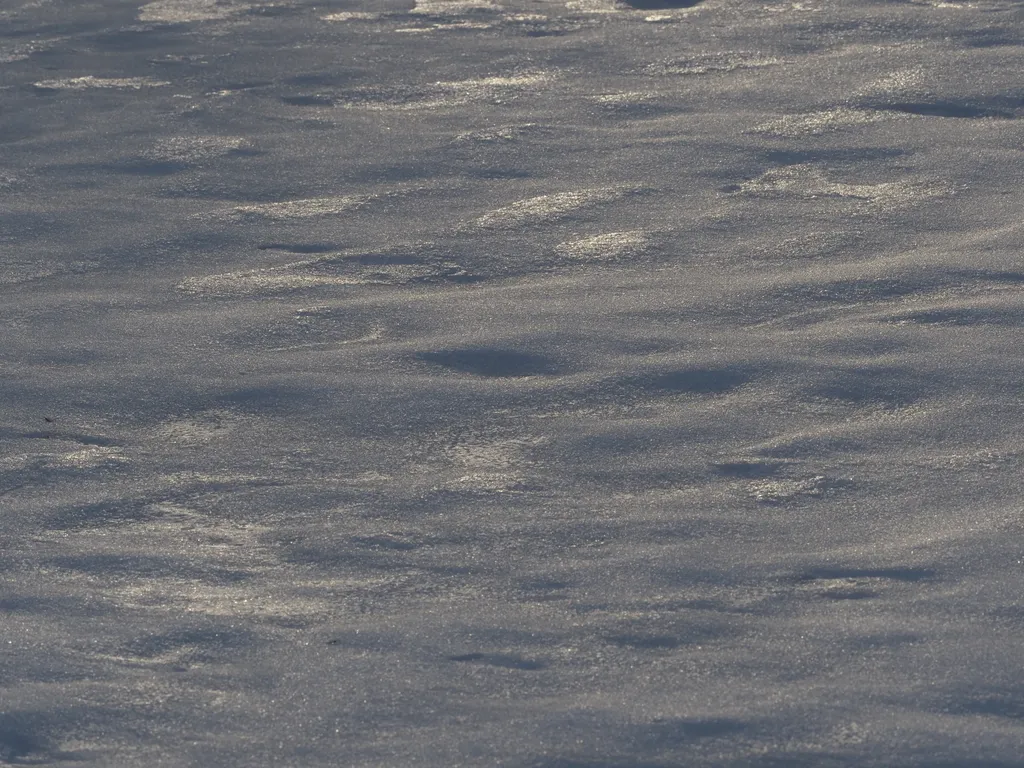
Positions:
{"x": 890, "y": 288}
{"x": 994, "y": 38}
{"x": 134, "y": 166}
{"x": 104, "y": 513}
{"x": 28, "y": 738}
{"x": 137, "y": 509}
{"x": 63, "y": 606}
{"x": 675, "y": 627}
{"x": 342, "y": 557}
{"x": 661, "y": 642}
{"x": 208, "y": 643}
{"x": 749, "y": 470}
{"x": 892, "y": 387}
{"x": 670, "y": 733}
{"x": 54, "y": 434}
{"x": 27, "y": 225}
{"x": 1006, "y": 702}
{"x": 318, "y": 79}
{"x": 273, "y": 398}
{"x": 308, "y": 100}
{"x": 364, "y": 640}
{"x": 883, "y": 641}
{"x": 701, "y": 381}
{"x": 642, "y": 110}
{"x": 495, "y": 362}
{"x": 78, "y": 19}
{"x": 20, "y": 743}
{"x": 18, "y": 604}
{"x": 149, "y": 41}
{"x": 301, "y": 248}
{"x": 502, "y": 660}
{"x": 663, "y": 743}
{"x": 694, "y": 381}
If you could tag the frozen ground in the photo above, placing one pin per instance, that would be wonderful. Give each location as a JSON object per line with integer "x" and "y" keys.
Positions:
{"x": 536, "y": 384}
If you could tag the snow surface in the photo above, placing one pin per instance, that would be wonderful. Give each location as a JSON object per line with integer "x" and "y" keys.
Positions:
{"x": 531, "y": 383}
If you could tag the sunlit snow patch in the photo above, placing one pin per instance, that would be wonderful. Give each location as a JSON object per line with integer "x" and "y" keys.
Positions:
{"x": 195, "y": 148}
{"x": 453, "y": 7}
{"x": 10, "y": 52}
{"x": 461, "y": 24}
{"x": 199, "y": 429}
{"x": 781, "y": 491}
{"x": 261, "y": 282}
{"x": 817, "y": 123}
{"x": 178, "y": 11}
{"x": 547, "y": 208}
{"x": 443, "y": 93}
{"x": 454, "y": 14}
{"x": 809, "y": 182}
{"x": 485, "y": 85}
{"x": 23, "y": 270}
{"x": 90, "y": 81}
{"x": 89, "y": 457}
{"x": 508, "y": 133}
{"x": 610, "y": 246}
{"x": 289, "y": 210}
{"x": 593, "y": 6}
{"x": 352, "y": 16}
{"x": 633, "y": 104}
{"x": 488, "y": 463}
{"x": 907, "y": 80}
{"x": 358, "y": 268}
{"x": 197, "y": 548}
{"x": 942, "y": 4}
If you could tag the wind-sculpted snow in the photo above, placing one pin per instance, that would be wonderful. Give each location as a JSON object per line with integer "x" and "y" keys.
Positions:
{"x": 89, "y": 81}
{"x": 550, "y": 208}
{"x": 807, "y": 181}
{"x": 435, "y": 95}
{"x": 710, "y": 63}
{"x": 606, "y": 247}
{"x": 178, "y": 11}
{"x": 536, "y": 384}
{"x": 817, "y": 123}
{"x": 301, "y": 209}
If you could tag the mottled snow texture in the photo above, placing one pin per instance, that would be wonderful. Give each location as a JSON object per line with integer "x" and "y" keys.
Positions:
{"x": 526, "y": 383}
